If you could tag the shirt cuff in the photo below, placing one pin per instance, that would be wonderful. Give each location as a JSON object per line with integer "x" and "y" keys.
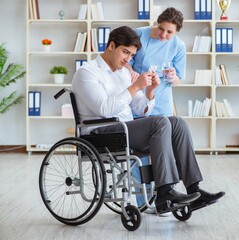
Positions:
{"x": 127, "y": 96}
{"x": 150, "y": 104}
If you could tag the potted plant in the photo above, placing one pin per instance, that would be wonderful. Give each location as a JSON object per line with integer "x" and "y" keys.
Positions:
{"x": 59, "y": 73}
{"x": 8, "y": 75}
{"x": 46, "y": 44}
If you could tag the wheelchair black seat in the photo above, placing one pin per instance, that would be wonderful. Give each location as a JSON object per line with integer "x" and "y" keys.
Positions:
{"x": 115, "y": 142}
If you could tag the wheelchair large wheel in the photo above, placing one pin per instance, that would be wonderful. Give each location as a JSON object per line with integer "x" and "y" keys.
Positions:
{"x": 72, "y": 181}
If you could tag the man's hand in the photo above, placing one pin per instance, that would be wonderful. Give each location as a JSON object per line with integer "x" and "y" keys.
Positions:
{"x": 154, "y": 82}
{"x": 143, "y": 81}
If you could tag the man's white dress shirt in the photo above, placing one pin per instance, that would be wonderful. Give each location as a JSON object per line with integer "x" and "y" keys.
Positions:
{"x": 102, "y": 93}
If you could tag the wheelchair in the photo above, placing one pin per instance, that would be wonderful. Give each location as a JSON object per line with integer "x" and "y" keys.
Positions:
{"x": 80, "y": 174}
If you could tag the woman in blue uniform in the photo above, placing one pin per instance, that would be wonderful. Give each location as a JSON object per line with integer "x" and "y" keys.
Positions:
{"x": 160, "y": 45}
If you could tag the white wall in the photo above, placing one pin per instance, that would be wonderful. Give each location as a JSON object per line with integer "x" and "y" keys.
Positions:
{"x": 13, "y": 33}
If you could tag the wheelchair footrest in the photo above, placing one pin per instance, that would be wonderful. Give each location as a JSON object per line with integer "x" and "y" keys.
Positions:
{"x": 168, "y": 206}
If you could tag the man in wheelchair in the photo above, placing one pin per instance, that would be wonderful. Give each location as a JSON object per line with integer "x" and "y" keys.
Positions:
{"x": 102, "y": 88}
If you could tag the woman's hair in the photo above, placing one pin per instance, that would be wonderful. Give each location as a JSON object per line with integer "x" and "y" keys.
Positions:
{"x": 171, "y": 15}
{"x": 124, "y": 36}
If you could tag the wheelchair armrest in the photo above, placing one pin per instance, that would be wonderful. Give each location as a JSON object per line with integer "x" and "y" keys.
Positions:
{"x": 103, "y": 120}
{"x": 98, "y": 123}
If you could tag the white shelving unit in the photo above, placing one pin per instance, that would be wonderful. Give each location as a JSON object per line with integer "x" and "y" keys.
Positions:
{"x": 210, "y": 134}
{"x": 48, "y": 128}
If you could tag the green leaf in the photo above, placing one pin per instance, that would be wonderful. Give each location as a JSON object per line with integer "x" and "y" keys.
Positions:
{"x": 12, "y": 73}
{"x": 9, "y": 101}
{"x": 9, "y": 75}
{"x": 3, "y": 57}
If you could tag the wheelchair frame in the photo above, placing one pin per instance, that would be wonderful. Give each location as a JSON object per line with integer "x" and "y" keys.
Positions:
{"x": 77, "y": 177}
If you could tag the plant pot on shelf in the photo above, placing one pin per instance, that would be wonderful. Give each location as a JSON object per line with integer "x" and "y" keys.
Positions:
{"x": 59, "y": 78}
{"x": 47, "y": 48}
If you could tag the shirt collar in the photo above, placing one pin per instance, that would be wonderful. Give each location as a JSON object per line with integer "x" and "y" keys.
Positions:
{"x": 104, "y": 66}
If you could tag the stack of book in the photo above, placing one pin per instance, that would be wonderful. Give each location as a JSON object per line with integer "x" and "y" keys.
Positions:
{"x": 97, "y": 12}
{"x": 82, "y": 12}
{"x": 202, "y": 9}
{"x": 94, "y": 41}
{"x": 202, "y": 44}
{"x": 200, "y": 108}
{"x": 224, "y": 109}
{"x": 143, "y": 9}
{"x": 80, "y": 42}
{"x": 221, "y": 75}
{"x": 34, "y": 12}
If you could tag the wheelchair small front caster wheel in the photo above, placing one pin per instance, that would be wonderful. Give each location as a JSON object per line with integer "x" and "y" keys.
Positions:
{"x": 134, "y": 220}
{"x": 183, "y": 214}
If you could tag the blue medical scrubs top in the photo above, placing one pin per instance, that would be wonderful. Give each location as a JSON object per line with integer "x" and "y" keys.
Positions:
{"x": 156, "y": 52}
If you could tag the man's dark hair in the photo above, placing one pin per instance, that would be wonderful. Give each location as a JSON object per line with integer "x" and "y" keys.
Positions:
{"x": 171, "y": 15}
{"x": 124, "y": 36}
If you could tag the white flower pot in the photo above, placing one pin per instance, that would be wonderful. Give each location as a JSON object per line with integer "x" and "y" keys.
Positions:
{"x": 47, "y": 48}
{"x": 59, "y": 78}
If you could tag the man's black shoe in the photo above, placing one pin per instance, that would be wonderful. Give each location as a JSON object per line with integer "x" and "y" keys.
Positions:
{"x": 205, "y": 199}
{"x": 174, "y": 200}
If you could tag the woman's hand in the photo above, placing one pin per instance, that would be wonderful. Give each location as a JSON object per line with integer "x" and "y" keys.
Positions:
{"x": 174, "y": 79}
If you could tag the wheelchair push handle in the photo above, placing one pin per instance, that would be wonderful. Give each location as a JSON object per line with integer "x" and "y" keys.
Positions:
{"x": 61, "y": 92}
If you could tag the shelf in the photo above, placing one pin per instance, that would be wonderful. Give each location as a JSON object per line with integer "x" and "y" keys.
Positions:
{"x": 56, "y": 53}
{"x": 182, "y": 85}
{"x": 53, "y": 85}
{"x": 113, "y": 21}
{"x": 210, "y": 134}
{"x": 49, "y": 118}
{"x": 197, "y": 118}
{"x": 200, "y": 53}
{"x": 228, "y": 86}
{"x": 49, "y": 21}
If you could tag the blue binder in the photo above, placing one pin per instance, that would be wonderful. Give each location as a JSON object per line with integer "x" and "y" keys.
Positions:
{"x": 37, "y": 103}
{"x": 203, "y": 9}
{"x": 100, "y": 39}
{"x": 79, "y": 63}
{"x": 230, "y": 39}
{"x": 31, "y": 111}
{"x": 140, "y": 9}
{"x": 106, "y": 36}
{"x": 146, "y": 9}
{"x": 224, "y": 39}
{"x": 218, "y": 40}
{"x": 197, "y": 4}
{"x": 208, "y": 9}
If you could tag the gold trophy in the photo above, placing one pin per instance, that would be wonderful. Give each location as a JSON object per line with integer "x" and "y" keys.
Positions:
{"x": 224, "y": 5}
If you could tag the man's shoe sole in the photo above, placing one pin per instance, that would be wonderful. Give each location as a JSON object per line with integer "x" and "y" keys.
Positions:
{"x": 202, "y": 204}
